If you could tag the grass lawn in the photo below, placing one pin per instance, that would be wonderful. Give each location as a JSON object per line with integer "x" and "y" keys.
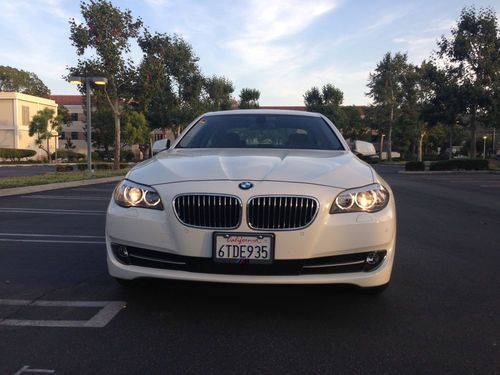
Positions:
{"x": 50, "y": 178}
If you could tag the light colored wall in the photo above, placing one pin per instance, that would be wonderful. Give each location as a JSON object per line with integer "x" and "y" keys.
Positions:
{"x": 11, "y": 116}
{"x": 6, "y": 114}
{"x": 6, "y": 138}
{"x": 75, "y": 126}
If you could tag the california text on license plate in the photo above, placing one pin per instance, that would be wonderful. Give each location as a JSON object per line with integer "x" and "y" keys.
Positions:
{"x": 243, "y": 248}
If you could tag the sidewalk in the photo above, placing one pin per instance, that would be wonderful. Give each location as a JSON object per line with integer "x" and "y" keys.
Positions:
{"x": 59, "y": 185}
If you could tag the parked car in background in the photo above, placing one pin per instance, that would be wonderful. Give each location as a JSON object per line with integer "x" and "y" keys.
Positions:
{"x": 254, "y": 196}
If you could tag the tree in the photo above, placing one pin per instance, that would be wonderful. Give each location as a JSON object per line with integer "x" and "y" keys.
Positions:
{"x": 386, "y": 91}
{"x": 107, "y": 31}
{"x": 472, "y": 57}
{"x": 42, "y": 125}
{"x": 103, "y": 133}
{"x": 328, "y": 102}
{"x": 218, "y": 92}
{"x": 135, "y": 129}
{"x": 441, "y": 99}
{"x": 353, "y": 126}
{"x": 12, "y": 79}
{"x": 170, "y": 83}
{"x": 249, "y": 98}
{"x": 313, "y": 100}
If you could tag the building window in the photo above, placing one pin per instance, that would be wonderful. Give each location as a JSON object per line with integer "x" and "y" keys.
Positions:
{"x": 26, "y": 115}
{"x": 74, "y": 135}
{"x": 62, "y": 135}
{"x": 74, "y": 116}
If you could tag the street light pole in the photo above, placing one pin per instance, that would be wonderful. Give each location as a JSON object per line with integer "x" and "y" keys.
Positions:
{"x": 484, "y": 147}
{"x": 97, "y": 81}
{"x": 89, "y": 125}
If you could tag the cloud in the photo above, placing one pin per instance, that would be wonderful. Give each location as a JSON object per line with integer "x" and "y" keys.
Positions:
{"x": 266, "y": 23}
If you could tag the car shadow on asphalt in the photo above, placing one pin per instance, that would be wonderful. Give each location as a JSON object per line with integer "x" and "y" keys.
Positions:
{"x": 312, "y": 301}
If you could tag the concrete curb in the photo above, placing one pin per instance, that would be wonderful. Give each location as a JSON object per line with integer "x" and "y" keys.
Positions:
{"x": 59, "y": 185}
{"x": 448, "y": 172}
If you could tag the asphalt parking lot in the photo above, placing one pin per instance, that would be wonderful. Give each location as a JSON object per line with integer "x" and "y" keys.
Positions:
{"x": 60, "y": 312}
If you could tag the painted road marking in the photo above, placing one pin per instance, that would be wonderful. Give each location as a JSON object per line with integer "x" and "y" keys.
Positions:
{"x": 51, "y": 238}
{"x": 109, "y": 309}
{"x": 51, "y": 241}
{"x": 23, "y": 210}
{"x": 27, "y": 370}
{"x": 48, "y": 235}
{"x": 67, "y": 197}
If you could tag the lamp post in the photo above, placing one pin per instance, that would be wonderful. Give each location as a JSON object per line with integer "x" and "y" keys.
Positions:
{"x": 78, "y": 80}
{"x": 484, "y": 147}
{"x": 381, "y": 145}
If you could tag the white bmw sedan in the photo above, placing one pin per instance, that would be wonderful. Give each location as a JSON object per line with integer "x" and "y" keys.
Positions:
{"x": 254, "y": 196}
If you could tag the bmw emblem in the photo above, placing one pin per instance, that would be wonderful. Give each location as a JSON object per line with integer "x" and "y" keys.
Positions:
{"x": 245, "y": 185}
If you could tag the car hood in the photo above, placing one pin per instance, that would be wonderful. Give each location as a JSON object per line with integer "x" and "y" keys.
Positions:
{"x": 331, "y": 168}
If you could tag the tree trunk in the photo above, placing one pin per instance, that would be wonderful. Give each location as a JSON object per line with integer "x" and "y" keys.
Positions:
{"x": 381, "y": 146}
{"x": 450, "y": 156}
{"x": 116, "y": 163}
{"x": 48, "y": 150}
{"x": 420, "y": 144}
{"x": 389, "y": 135}
{"x": 473, "y": 131}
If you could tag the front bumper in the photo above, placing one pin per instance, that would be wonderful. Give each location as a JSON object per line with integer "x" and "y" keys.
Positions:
{"x": 329, "y": 235}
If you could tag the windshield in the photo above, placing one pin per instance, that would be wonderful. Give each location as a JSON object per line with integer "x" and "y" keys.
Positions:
{"x": 261, "y": 131}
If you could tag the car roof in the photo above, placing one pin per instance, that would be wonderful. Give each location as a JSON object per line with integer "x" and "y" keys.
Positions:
{"x": 262, "y": 112}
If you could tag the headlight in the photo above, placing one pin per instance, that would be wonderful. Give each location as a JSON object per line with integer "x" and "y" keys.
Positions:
{"x": 371, "y": 198}
{"x": 131, "y": 194}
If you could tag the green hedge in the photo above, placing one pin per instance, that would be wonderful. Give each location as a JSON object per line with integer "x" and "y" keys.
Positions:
{"x": 415, "y": 166}
{"x": 460, "y": 164}
{"x": 64, "y": 168}
{"x": 127, "y": 155}
{"x": 68, "y": 155}
{"x": 16, "y": 154}
{"x": 99, "y": 166}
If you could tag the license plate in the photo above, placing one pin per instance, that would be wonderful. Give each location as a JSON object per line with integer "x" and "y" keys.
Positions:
{"x": 243, "y": 248}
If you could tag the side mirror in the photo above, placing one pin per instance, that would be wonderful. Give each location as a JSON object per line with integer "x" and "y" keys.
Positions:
{"x": 363, "y": 148}
{"x": 160, "y": 145}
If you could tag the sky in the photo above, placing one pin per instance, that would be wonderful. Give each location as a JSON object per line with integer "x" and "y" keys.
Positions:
{"x": 280, "y": 47}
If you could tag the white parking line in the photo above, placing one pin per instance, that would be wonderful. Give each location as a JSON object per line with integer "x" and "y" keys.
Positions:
{"x": 109, "y": 309}
{"x": 51, "y": 241}
{"x": 23, "y": 210}
{"x": 48, "y": 235}
{"x": 51, "y": 238}
{"x": 27, "y": 370}
{"x": 66, "y": 197}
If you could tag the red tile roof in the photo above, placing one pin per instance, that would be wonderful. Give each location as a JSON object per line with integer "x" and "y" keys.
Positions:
{"x": 67, "y": 99}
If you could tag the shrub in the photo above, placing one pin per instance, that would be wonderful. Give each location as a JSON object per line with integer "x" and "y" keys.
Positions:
{"x": 68, "y": 155}
{"x": 96, "y": 156}
{"x": 99, "y": 166}
{"x": 127, "y": 155}
{"x": 64, "y": 168}
{"x": 415, "y": 166}
{"x": 16, "y": 154}
{"x": 103, "y": 166}
{"x": 460, "y": 164}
